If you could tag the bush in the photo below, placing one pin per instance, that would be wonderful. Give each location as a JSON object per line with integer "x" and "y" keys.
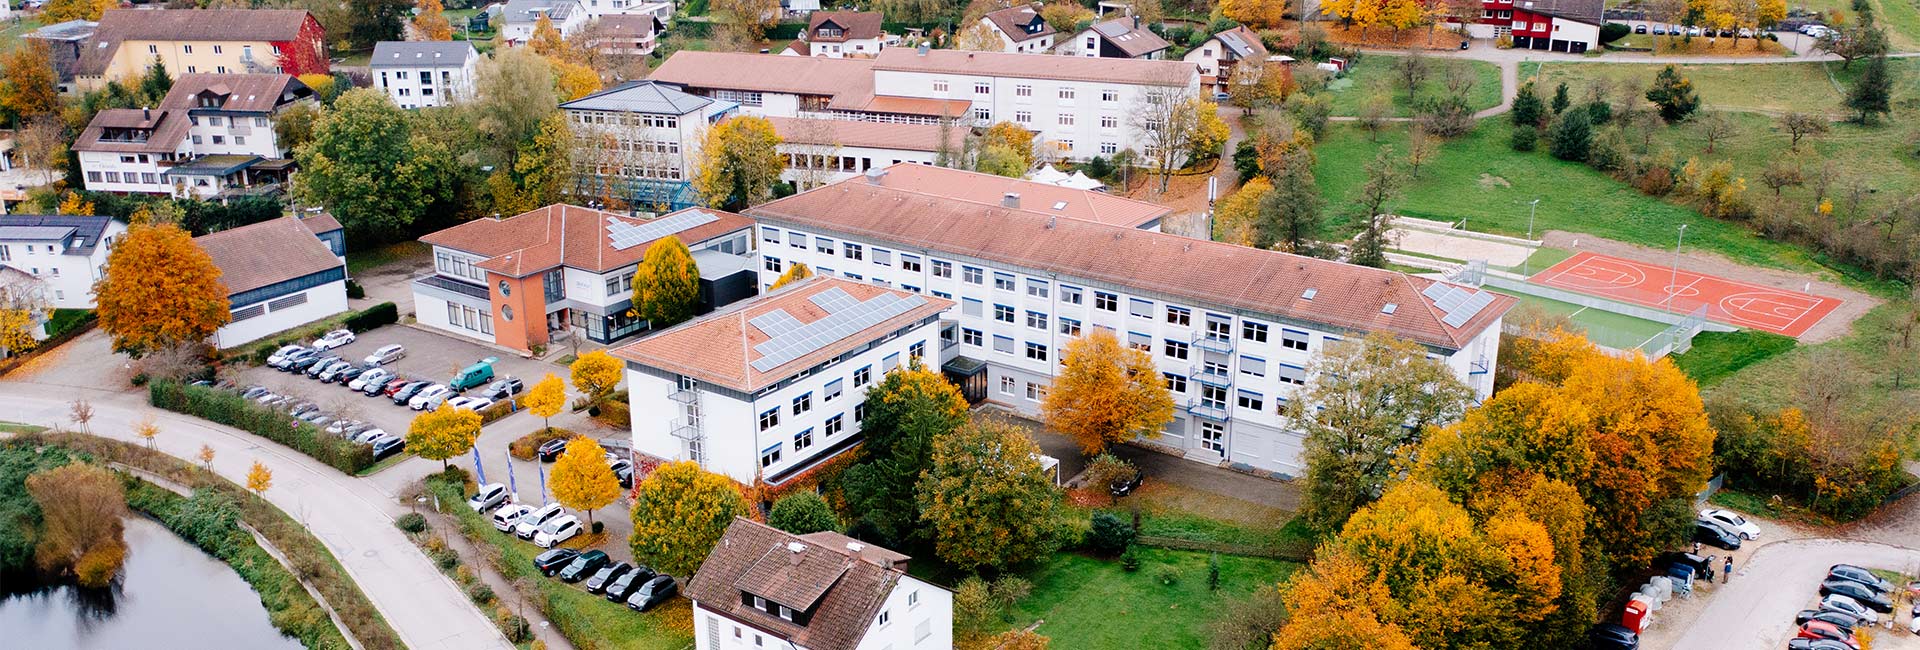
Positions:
{"x": 445, "y": 557}
{"x": 411, "y": 522}
{"x": 376, "y": 316}
{"x": 1613, "y": 32}
{"x": 513, "y": 626}
{"x": 1525, "y": 138}
{"x": 1110, "y": 534}
{"x": 355, "y": 291}
{"x": 238, "y": 412}
{"x": 801, "y": 513}
{"x": 1130, "y": 560}
{"x": 599, "y": 526}
{"x": 1166, "y": 576}
{"x": 524, "y": 447}
{"x": 480, "y": 593}
{"x": 1571, "y": 136}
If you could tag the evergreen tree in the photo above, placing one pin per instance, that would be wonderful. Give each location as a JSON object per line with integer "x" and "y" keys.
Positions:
{"x": 1571, "y": 136}
{"x": 1527, "y": 107}
{"x": 1871, "y": 95}
{"x": 155, "y": 83}
{"x": 1673, "y": 94}
{"x": 905, "y": 412}
{"x": 1560, "y": 99}
{"x": 1383, "y": 185}
{"x": 1289, "y": 218}
{"x": 666, "y": 286}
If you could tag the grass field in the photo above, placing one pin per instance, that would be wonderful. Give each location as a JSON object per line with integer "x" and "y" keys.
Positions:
{"x": 1375, "y": 74}
{"x": 1618, "y": 331}
{"x": 16, "y": 29}
{"x": 1769, "y": 87}
{"x": 1090, "y": 602}
{"x": 1717, "y": 355}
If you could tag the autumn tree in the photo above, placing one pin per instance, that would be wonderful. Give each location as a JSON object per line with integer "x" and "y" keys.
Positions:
{"x": 514, "y": 91}
{"x": 906, "y": 411}
{"x": 431, "y": 21}
{"x": 1802, "y": 125}
{"x": 977, "y": 37}
{"x": 1106, "y": 393}
{"x": 81, "y": 510}
{"x": 986, "y": 499}
{"x": 1268, "y": 14}
{"x": 545, "y": 399}
{"x": 803, "y": 512}
{"x": 1714, "y": 127}
{"x": 1421, "y": 147}
{"x": 259, "y": 479}
{"x": 206, "y": 457}
{"x": 679, "y": 513}
{"x": 544, "y": 168}
{"x": 28, "y": 85}
{"x": 147, "y": 430}
{"x": 666, "y": 286}
{"x": 443, "y": 433}
{"x": 72, "y": 205}
{"x": 1012, "y": 138}
{"x": 1063, "y": 17}
{"x": 739, "y": 162}
{"x": 143, "y": 310}
{"x": 743, "y": 23}
{"x": 795, "y": 273}
{"x": 1673, "y": 95}
{"x": 582, "y": 480}
{"x": 22, "y": 299}
{"x": 1367, "y": 403}
{"x": 1235, "y": 217}
{"x": 1170, "y": 126}
{"x": 1336, "y": 604}
{"x": 595, "y": 374}
{"x": 60, "y": 11}
{"x": 1374, "y": 112}
{"x": 546, "y": 39}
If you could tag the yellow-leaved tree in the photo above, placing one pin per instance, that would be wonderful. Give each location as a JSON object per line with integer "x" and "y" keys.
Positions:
{"x": 82, "y": 508}
{"x": 73, "y": 205}
{"x": 546, "y": 40}
{"x": 1235, "y": 217}
{"x": 443, "y": 433}
{"x": 259, "y": 478}
{"x": 679, "y": 513}
{"x": 739, "y": 163}
{"x": 595, "y": 374}
{"x": 794, "y": 273}
{"x": 581, "y": 478}
{"x": 142, "y": 309}
{"x": 1106, "y": 393}
{"x": 28, "y": 85}
{"x": 431, "y": 21}
{"x": 666, "y": 286}
{"x": 22, "y": 297}
{"x": 1015, "y": 139}
{"x": 546, "y": 399}
{"x": 575, "y": 80}
{"x": 1255, "y": 13}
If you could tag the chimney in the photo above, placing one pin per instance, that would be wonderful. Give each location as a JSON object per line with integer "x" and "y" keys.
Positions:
{"x": 1136, "y": 22}
{"x": 146, "y": 114}
{"x": 1010, "y": 200}
{"x": 1050, "y": 222}
{"x": 875, "y": 175}
{"x": 922, "y": 50}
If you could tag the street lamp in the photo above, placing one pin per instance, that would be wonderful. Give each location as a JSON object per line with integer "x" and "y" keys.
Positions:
{"x": 1673, "y": 284}
{"x": 1530, "y": 212}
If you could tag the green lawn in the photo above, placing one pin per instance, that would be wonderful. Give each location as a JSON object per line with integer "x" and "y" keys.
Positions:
{"x": 1787, "y": 86}
{"x": 1375, "y": 74}
{"x": 1089, "y": 602}
{"x": 1716, "y": 355}
{"x": 16, "y": 29}
{"x": 16, "y": 427}
{"x": 1618, "y": 331}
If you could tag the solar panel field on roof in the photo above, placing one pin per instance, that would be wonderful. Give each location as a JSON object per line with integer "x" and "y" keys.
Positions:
{"x": 845, "y": 317}
{"x": 1457, "y": 305}
{"x": 625, "y": 235}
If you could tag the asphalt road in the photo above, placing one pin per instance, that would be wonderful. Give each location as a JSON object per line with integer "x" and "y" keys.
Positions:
{"x": 1756, "y": 608}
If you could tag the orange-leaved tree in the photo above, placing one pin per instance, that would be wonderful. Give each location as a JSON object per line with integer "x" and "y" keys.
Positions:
{"x": 581, "y": 478}
{"x": 1106, "y": 393}
{"x": 82, "y": 507}
{"x": 432, "y": 21}
{"x": 143, "y": 309}
{"x": 679, "y": 513}
{"x": 546, "y": 399}
{"x": 443, "y": 433}
{"x": 259, "y": 478}
{"x": 595, "y": 374}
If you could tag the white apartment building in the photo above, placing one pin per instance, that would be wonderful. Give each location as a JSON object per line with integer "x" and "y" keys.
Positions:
{"x": 211, "y": 137}
{"x": 65, "y": 253}
{"x": 763, "y": 588}
{"x": 767, "y": 389}
{"x": 1021, "y": 29}
{"x": 279, "y": 274}
{"x": 644, "y": 138}
{"x": 840, "y": 34}
{"x": 1217, "y": 55}
{"x": 1232, "y": 328}
{"x": 821, "y": 151}
{"x": 523, "y": 16}
{"x": 424, "y": 74}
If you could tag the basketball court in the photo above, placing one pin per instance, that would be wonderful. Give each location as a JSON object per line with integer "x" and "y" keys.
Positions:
{"x": 1728, "y": 301}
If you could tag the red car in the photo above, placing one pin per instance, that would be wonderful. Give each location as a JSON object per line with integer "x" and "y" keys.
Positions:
{"x": 1825, "y": 630}
{"x": 395, "y": 386}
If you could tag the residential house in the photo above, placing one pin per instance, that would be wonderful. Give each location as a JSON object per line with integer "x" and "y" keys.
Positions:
{"x": 65, "y": 41}
{"x": 822, "y": 151}
{"x": 601, "y": 8}
{"x": 1232, "y": 329}
{"x": 211, "y": 137}
{"x": 1217, "y": 56}
{"x": 839, "y": 34}
{"x": 641, "y": 142}
{"x": 1120, "y": 38}
{"x": 522, "y": 16}
{"x": 279, "y": 274}
{"x": 215, "y": 41}
{"x": 66, "y": 253}
{"x": 424, "y": 74}
{"x": 766, "y": 389}
{"x": 799, "y": 7}
{"x": 634, "y": 35}
{"x": 1571, "y": 26}
{"x": 1021, "y": 29}
{"x": 515, "y": 281}
{"x": 762, "y": 587}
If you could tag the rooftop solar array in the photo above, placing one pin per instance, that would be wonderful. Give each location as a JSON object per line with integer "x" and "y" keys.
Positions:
{"x": 845, "y": 317}
{"x": 1458, "y": 305}
{"x": 626, "y": 235}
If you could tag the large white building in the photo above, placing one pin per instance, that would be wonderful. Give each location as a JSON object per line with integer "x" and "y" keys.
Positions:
{"x": 423, "y": 74}
{"x": 820, "y": 151}
{"x": 211, "y": 137}
{"x": 767, "y": 389}
{"x": 523, "y": 16}
{"x": 643, "y": 141}
{"x": 279, "y": 274}
{"x": 65, "y": 253}
{"x": 763, "y": 589}
{"x": 1232, "y": 328}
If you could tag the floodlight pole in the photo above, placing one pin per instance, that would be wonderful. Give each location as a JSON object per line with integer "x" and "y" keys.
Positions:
{"x": 1673, "y": 284}
{"x": 1530, "y": 213}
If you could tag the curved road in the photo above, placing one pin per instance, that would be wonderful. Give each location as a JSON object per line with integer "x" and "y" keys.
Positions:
{"x": 1756, "y": 608}
{"x": 352, "y": 516}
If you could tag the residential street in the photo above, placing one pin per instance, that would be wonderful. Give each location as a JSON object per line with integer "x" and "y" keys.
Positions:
{"x": 1756, "y": 608}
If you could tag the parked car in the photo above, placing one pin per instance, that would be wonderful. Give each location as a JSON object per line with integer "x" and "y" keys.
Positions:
{"x": 1659, "y": 30}
{"x": 1125, "y": 485}
{"x": 477, "y": 374}
{"x": 296, "y": 356}
{"x": 1913, "y": 623}
{"x": 488, "y": 497}
{"x": 583, "y": 565}
{"x": 531, "y": 522}
{"x": 1610, "y": 636}
{"x": 1840, "y": 620}
{"x": 388, "y": 389}
{"x": 654, "y": 592}
{"x": 1640, "y": 29}
{"x": 1707, "y": 532}
{"x": 371, "y": 376}
{"x": 387, "y": 446}
{"x": 405, "y": 393}
{"x": 281, "y": 354}
{"x": 1816, "y": 644}
{"x": 429, "y": 398}
{"x": 368, "y": 436}
{"x": 549, "y": 563}
{"x": 304, "y": 361}
{"x": 320, "y": 365}
{"x": 557, "y": 530}
{"x": 623, "y": 472}
{"x": 344, "y": 377}
{"x": 508, "y": 515}
{"x": 333, "y": 340}
{"x": 332, "y": 373}
{"x": 255, "y": 392}
{"x": 1860, "y": 593}
{"x": 1847, "y": 605}
{"x": 1732, "y": 521}
{"x": 502, "y": 389}
{"x": 386, "y": 354}
{"x": 1824, "y": 630}
{"x": 340, "y": 427}
{"x": 1860, "y": 575}
{"x": 606, "y": 575}
{"x": 629, "y": 582}
{"x": 551, "y": 450}
{"x": 470, "y": 403}
{"x": 302, "y": 408}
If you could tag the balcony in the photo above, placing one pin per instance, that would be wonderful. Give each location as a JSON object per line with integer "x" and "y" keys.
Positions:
{"x": 685, "y": 429}
{"x": 1213, "y": 344}
{"x": 1480, "y": 366}
{"x": 1211, "y": 378}
{"x": 684, "y": 396}
{"x": 1203, "y": 409}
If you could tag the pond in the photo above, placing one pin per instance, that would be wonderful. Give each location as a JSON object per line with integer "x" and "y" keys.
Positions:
{"x": 171, "y": 595}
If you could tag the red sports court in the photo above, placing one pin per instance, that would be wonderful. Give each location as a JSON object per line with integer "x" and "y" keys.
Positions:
{"x": 1728, "y": 301}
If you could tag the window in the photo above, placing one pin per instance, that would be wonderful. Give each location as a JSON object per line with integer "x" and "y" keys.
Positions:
{"x": 1293, "y": 375}
{"x": 1036, "y": 392}
{"x": 803, "y": 403}
{"x": 1109, "y": 122}
{"x": 772, "y": 264}
{"x": 1037, "y": 320}
{"x": 823, "y": 245}
{"x": 909, "y": 263}
{"x": 917, "y": 350}
{"x": 972, "y": 337}
{"x": 1179, "y": 316}
{"x": 1023, "y": 117}
{"x": 1036, "y": 351}
{"x": 913, "y": 599}
{"x": 859, "y": 411}
{"x": 834, "y": 425}
{"x": 1140, "y": 308}
{"x": 981, "y": 88}
{"x": 803, "y": 439}
{"x": 971, "y": 275}
{"x": 1109, "y": 96}
{"x": 1106, "y": 301}
{"x": 942, "y": 269}
{"x": 1175, "y": 383}
{"x": 892, "y": 361}
{"x": 982, "y": 113}
{"x": 1251, "y": 400}
{"x": 1293, "y": 339}
{"x": 1023, "y": 90}
{"x": 1177, "y": 349}
{"x": 939, "y": 85}
{"x": 832, "y": 391}
{"x": 852, "y": 251}
{"x": 1003, "y": 313}
{"x": 1064, "y": 119}
{"x": 1254, "y": 366}
{"x": 797, "y": 240}
{"x": 972, "y": 307}
{"x": 769, "y": 419}
{"x": 1069, "y": 327}
{"x": 1070, "y": 295}
{"x": 1007, "y": 384}
{"x": 153, "y": 49}
{"x": 187, "y": 49}
{"x": 1003, "y": 281}
{"x": 862, "y": 376}
{"x": 1037, "y": 288}
{"x": 240, "y": 140}
{"x": 1255, "y": 332}
{"x": 1003, "y": 344}
{"x": 1139, "y": 341}
{"x": 882, "y": 257}
{"x": 770, "y": 455}
{"x": 1066, "y": 95}
{"x": 216, "y": 49}
{"x": 1109, "y": 148}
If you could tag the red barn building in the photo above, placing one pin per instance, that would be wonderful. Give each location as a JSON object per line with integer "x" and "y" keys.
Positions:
{"x": 1554, "y": 25}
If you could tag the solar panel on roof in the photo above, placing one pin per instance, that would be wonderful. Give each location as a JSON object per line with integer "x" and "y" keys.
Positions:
{"x": 775, "y": 323}
{"x": 1466, "y": 310}
{"x": 1435, "y": 290}
{"x": 845, "y": 317}
{"x": 625, "y": 235}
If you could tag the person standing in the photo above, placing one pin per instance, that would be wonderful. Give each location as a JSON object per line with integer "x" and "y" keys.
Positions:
{"x": 1696, "y": 548}
{"x": 1727, "y": 575}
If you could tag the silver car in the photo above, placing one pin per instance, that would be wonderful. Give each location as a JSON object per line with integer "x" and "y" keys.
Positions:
{"x": 386, "y": 354}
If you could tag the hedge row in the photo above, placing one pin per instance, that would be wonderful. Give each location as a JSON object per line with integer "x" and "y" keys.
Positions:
{"x": 370, "y": 318}
{"x": 244, "y": 414}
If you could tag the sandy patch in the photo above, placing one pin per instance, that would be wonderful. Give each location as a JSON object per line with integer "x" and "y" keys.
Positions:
{"x": 1427, "y": 242}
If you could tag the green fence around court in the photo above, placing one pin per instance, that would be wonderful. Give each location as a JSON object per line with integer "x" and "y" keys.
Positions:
{"x": 1613, "y": 330}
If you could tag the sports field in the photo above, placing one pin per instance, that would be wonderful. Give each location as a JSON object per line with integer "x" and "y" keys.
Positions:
{"x": 1618, "y": 331}
{"x": 1744, "y": 304}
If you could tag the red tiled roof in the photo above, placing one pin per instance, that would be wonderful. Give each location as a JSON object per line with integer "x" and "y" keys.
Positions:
{"x": 934, "y": 216}
{"x": 801, "y": 75}
{"x": 266, "y": 253}
{"x": 853, "y": 25}
{"x": 878, "y": 135}
{"x": 851, "y": 589}
{"x": 719, "y": 348}
{"x": 988, "y": 189}
{"x": 563, "y": 235}
{"x": 1025, "y": 66}
{"x": 1012, "y": 21}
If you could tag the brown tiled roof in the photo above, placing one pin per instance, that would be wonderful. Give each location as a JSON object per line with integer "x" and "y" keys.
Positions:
{"x": 197, "y": 25}
{"x": 854, "y": 24}
{"x": 930, "y": 216}
{"x": 321, "y": 222}
{"x": 1012, "y": 21}
{"x": 1025, "y": 66}
{"x": 266, "y": 253}
{"x": 258, "y": 93}
{"x": 988, "y": 189}
{"x": 1233, "y": 41}
{"x": 719, "y": 348}
{"x": 871, "y": 553}
{"x": 624, "y": 26}
{"x": 801, "y": 75}
{"x": 562, "y": 234}
{"x": 852, "y": 590}
{"x": 1585, "y": 11}
{"x": 1133, "y": 40}
{"x": 795, "y": 578}
{"x": 169, "y": 128}
{"x": 878, "y": 135}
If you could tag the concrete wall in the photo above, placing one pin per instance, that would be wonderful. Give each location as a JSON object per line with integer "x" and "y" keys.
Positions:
{"x": 322, "y": 301}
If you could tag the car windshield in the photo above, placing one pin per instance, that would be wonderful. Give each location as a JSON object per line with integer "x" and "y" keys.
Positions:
{"x": 553, "y": 526}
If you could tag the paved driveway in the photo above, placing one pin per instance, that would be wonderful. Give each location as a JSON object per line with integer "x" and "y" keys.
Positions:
{"x": 1755, "y": 609}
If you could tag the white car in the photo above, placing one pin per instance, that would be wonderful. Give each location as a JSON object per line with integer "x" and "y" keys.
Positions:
{"x": 340, "y": 426}
{"x": 1732, "y": 521}
{"x": 489, "y": 495}
{"x": 1843, "y": 604}
{"x": 367, "y": 437}
{"x": 281, "y": 354}
{"x": 531, "y": 522}
{"x": 557, "y": 530}
{"x": 1913, "y": 624}
{"x": 430, "y": 398}
{"x": 386, "y": 354}
{"x": 508, "y": 515}
{"x": 333, "y": 340}
{"x": 470, "y": 403}
{"x": 376, "y": 375}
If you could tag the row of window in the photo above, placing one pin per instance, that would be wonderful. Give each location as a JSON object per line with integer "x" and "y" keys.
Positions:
{"x": 148, "y": 178}
{"x": 1108, "y": 122}
{"x": 468, "y": 318}
{"x": 1035, "y": 391}
{"x": 215, "y": 120}
{"x": 627, "y": 119}
{"x": 450, "y": 264}
{"x": 1066, "y": 94}
{"x": 803, "y": 439}
{"x": 246, "y": 51}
